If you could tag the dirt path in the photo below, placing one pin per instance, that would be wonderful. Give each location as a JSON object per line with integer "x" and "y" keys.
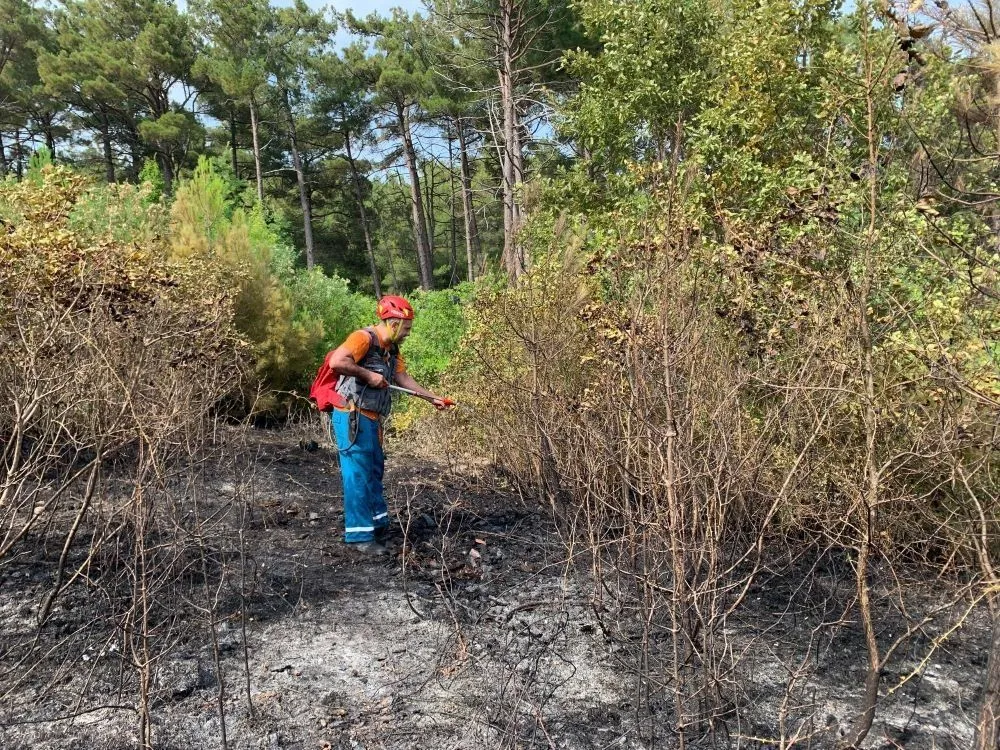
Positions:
{"x": 474, "y": 633}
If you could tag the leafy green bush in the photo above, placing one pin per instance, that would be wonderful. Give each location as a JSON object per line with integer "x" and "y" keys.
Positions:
{"x": 291, "y": 315}
{"x": 152, "y": 177}
{"x": 41, "y": 158}
{"x": 119, "y": 212}
{"x": 208, "y": 224}
{"x": 325, "y": 299}
{"x": 437, "y": 330}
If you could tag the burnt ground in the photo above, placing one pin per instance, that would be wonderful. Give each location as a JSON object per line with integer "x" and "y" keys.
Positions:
{"x": 474, "y": 633}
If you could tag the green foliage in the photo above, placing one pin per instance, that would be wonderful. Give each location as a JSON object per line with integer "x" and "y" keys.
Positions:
{"x": 118, "y": 212}
{"x": 237, "y": 58}
{"x": 291, "y": 316}
{"x": 755, "y": 204}
{"x": 322, "y": 298}
{"x": 438, "y": 327}
{"x": 23, "y": 35}
{"x": 652, "y": 69}
{"x": 116, "y": 65}
{"x": 152, "y": 176}
{"x": 241, "y": 244}
{"x": 41, "y": 158}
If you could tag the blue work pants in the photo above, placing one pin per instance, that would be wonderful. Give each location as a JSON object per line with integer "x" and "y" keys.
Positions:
{"x": 362, "y": 464}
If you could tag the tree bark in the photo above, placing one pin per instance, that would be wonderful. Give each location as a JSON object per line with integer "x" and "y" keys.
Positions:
{"x": 472, "y": 248}
{"x": 109, "y": 161}
{"x": 424, "y": 258}
{"x": 365, "y": 229}
{"x": 18, "y": 155}
{"x": 453, "y": 224}
{"x": 256, "y": 149}
{"x": 512, "y": 157}
{"x": 50, "y": 138}
{"x": 3, "y": 157}
{"x": 135, "y": 154}
{"x": 867, "y": 518}
{"x": 232, "y": 141}
{"x": 429, "y": 204}
{"x": 168, "y": 173}
{"x": 301, "y": 179}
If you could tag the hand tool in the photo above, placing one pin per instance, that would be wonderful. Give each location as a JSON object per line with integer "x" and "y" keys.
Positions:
{"x": 408, "y": 392}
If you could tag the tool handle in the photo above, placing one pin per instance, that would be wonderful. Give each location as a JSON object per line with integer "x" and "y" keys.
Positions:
{"x": 408, "y": 392}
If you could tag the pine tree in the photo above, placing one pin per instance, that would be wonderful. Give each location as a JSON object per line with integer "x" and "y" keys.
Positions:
{"x": 300, "y": 35}
{"x": 456, "y": 105}
{"x": 22, "y": 105}
{"x": 236, "y": 38}
{"x": 400, "y": 79}
{"x": 344, "y": 104}
{"x": 117, "y": 66}
{"x": 521, "y": 43}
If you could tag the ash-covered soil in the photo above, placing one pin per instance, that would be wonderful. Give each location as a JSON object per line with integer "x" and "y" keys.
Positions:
{"x": 480, "y": 630}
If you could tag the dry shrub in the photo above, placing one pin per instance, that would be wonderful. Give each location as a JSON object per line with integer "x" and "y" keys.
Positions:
{"x": 694, "y": 462}
{"x": 113, "y": 360}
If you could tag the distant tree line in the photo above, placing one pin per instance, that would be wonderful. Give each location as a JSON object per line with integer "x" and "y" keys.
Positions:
{"x": 398, "y": 161}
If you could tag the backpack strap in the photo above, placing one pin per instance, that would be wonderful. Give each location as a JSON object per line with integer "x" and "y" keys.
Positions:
{"x": 373, "y": 337}
{"x": 392, "y": 351}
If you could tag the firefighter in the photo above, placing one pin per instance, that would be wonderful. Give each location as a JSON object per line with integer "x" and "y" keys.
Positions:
{"x": 367, "y": 363}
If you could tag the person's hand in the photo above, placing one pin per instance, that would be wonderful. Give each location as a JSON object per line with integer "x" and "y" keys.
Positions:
{"x": 375, "y": 380}
{"x": 442, "y": 403}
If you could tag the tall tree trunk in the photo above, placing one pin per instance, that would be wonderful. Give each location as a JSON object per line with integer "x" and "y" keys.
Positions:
{"x": 18, "y": 155}
{"x": 232, "y": 141}
{"x": 429, "y": 204}
{"x": 365, "y": 229}
{"x": 300, "y": 177}
{"x": 136, "y": 154}
{"x": 4, "y": 165}
{"x": 256, "y": 148}
{"x": 50, "y": 138}
{"x": 472, "y": 249}
{"x": 424, "y": 257}
{"x": 168, "y": 173}
{"x": 109, "y": 160}
{"x": 453, "y": 224}
{"x": 870, "y": 492}
{"x": 513, "y": 161}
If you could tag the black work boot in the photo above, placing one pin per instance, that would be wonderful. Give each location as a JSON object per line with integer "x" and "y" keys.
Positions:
{"x": 372, "y": 548}
{"x": 384, "y": 533}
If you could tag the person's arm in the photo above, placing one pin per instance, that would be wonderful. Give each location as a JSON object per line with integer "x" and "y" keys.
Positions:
{"x": 406, "y": 380}
{"x": 342, "y": 361}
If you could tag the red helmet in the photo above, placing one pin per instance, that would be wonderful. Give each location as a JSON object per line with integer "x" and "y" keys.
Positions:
{"x": 392, "y": 306}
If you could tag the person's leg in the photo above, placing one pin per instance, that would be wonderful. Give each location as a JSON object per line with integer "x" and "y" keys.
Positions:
{"x": 380, "y": 511}
{"x": 356, "y": 465}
